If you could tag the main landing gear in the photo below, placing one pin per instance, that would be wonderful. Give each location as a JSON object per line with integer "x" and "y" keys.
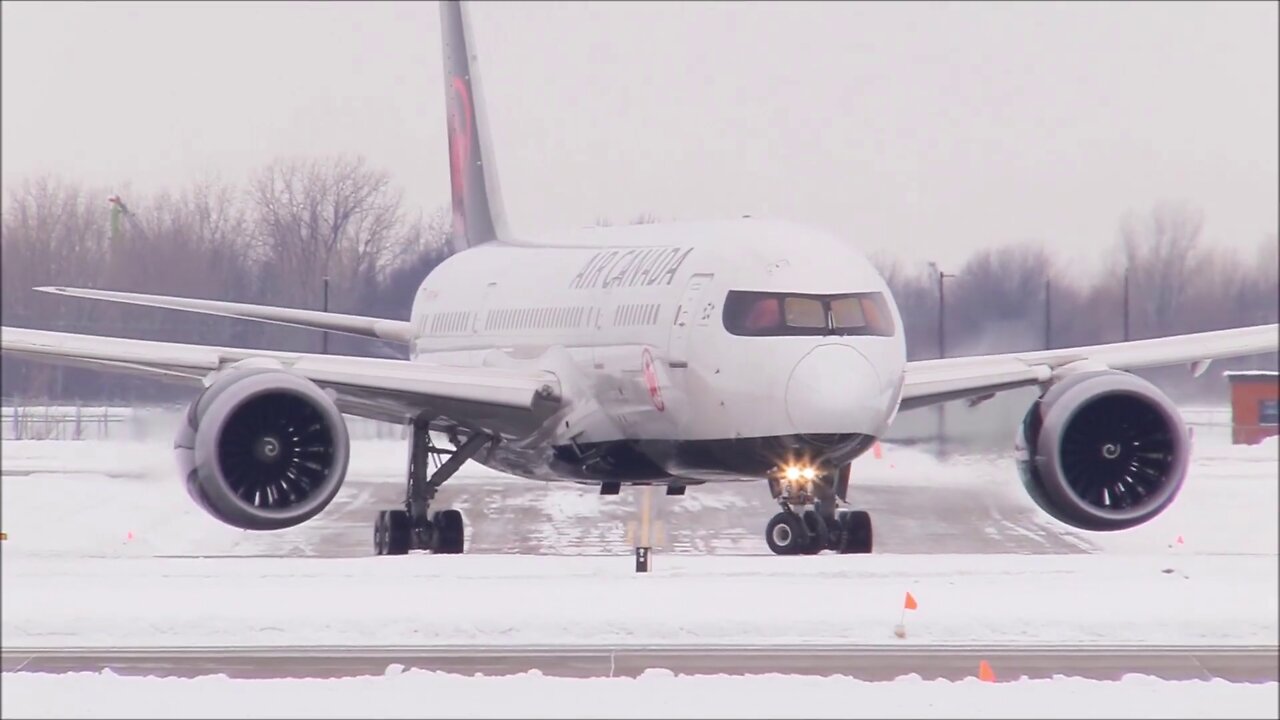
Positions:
{"x": 396, "y": 532}
{"x": 810, "y": 522}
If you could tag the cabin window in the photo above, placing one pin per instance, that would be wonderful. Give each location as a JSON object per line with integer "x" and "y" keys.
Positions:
{"x": 771, "y": 314}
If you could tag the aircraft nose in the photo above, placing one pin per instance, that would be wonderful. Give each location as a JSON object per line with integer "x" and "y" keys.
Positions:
{"x": 835, "y": 389}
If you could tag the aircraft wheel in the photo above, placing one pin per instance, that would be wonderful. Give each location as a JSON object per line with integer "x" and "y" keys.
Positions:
{"x": 786, "y": 534}
{"x": 391, "y": 533}
{"x": 450, "y": 532}
{"x": 857, "y": 532}
{"x": 819, "y": 538}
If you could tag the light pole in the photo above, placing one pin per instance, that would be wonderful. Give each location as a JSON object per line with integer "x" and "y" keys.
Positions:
{"x": 942, "y": 347}
{"x": 324, "y": 334}
{"x": 1126, "y": 303}
{"x": 1048, "y": 319}
{"x": 942, "y": 308}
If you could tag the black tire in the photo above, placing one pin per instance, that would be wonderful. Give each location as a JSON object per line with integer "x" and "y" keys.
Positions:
{"x": 857, "y": 532}
{"x": 380, "y": 534}
{"x": 786, "y": 534}
{"x": 819, "y": 537}
{"x": 391, "y": 533}
{"x": 450, "y": 533}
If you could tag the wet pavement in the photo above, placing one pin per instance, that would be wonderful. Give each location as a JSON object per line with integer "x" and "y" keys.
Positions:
{"x": 529, "y": 517}
{"x": 1236, "y": 664}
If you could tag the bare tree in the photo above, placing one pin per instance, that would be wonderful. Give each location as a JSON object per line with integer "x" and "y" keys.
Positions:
{"x": 1161, "y": 251}
{"x": 333, "y": 216}
{"x": 423, "y": 246}
{"x": 999, "y": 297}
{"x": 300, "y": 220}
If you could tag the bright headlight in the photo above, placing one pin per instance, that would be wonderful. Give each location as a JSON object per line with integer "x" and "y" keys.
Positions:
{"x": 798, "y": 473}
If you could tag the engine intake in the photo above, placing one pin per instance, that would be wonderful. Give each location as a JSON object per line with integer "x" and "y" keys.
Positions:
{"x": 263, "y": 449}
{"x": 1103, "y": 451}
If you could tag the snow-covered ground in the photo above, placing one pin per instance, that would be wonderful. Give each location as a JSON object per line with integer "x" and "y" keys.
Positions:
{"x": 90, "y": 524}
{"x": 1173, "y": 598}
{"x": 102, "y": 492}
{"x": 657, "y": 693}
{"x": 75, "y": 572}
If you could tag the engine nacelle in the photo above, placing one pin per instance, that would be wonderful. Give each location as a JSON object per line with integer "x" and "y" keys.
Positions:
{"x": 263, "y": 449}
{"x": 1103, "y": 450}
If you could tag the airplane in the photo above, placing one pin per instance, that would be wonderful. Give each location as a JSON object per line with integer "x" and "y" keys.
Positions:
{"x": 671, "y": 354}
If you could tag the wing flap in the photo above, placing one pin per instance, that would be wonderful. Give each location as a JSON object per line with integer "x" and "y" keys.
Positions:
{"x": 380, "y": 328}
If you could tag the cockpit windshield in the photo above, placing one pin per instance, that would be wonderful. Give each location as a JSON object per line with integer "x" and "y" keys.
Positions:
{"x": 762, "y": 314}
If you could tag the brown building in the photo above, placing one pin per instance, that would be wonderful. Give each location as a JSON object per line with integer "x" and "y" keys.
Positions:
{"x": 1255, "y": 405}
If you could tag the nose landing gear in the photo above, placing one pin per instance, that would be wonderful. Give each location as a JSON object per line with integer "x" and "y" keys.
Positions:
{"x": 810, "y": 521}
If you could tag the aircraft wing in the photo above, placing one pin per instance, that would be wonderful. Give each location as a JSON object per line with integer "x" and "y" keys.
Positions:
{"x": 934, "y": 381}
{"x": 385, "y": 389}
{"x": 396, "y": 330}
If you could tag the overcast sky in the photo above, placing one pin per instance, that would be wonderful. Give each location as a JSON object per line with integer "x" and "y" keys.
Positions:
{"x": 925, "y": 129}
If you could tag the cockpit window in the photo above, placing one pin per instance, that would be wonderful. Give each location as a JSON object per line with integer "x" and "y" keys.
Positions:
{"x": 763, "y": 314}
{"x": 805, "y": 312}
{"x": 847, "y": 312}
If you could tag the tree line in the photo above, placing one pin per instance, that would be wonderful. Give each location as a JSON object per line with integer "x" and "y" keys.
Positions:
{"x": 295, "y": 221}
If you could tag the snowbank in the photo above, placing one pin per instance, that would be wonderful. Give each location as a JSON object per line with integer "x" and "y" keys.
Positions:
{"x": 656, "y": 693}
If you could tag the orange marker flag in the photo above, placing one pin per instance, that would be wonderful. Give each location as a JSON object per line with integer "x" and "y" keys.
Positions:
{"x": 985, "y": 673}
{"x": 1179, "y": 540}
{"x": 910, "y": 602}
{"x": 878, "y": 452}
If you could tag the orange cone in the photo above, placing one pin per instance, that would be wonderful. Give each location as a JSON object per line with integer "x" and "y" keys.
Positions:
{"x": 985, "y": 673}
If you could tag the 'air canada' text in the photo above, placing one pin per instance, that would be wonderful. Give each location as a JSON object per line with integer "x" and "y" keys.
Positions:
{"x": 630, "y": 268}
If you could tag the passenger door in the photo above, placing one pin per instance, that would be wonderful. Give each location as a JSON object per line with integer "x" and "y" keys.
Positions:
{"x": 692, "y": 311}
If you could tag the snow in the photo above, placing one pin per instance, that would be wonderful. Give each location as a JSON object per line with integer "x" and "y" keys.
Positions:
{"x": 1228, "y": 503}
{"x": 82, "y": 578}
{"x": 656, "y": 693}
{"x": 1166, "y": 599}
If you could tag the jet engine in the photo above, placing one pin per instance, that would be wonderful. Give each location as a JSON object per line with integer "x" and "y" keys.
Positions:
{"x": 1103, "y": 450}
{"x": 263, "y": 448}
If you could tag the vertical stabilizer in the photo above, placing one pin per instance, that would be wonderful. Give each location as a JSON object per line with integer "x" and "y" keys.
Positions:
{"x": 478, "y": 215}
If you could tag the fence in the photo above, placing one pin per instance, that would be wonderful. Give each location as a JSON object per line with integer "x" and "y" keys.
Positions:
{"x": 99, "y": 422}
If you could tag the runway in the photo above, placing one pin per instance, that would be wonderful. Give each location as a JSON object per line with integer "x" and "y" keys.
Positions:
{"x": 867, "y": 662}
{"x": 536, "y": 518}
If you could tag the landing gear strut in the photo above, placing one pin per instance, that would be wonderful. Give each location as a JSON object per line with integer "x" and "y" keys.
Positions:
{"x": 396, "y": 532}
{"x": 810, "y": 521}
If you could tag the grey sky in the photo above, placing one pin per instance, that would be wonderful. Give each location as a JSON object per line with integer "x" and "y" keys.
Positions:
{"x": 925, "y": 129}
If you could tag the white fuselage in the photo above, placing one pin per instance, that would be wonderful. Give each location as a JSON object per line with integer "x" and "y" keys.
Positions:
{"x": 631, "y": 321}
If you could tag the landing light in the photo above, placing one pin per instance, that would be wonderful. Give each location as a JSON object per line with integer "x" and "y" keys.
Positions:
{"x": 796, "y": 472}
